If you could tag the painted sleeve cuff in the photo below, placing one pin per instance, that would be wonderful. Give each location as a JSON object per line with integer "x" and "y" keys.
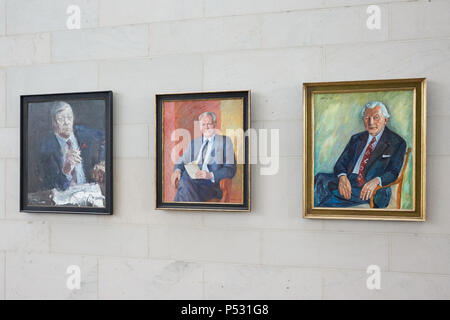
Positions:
{"x": 379, "y": 179}
{"x": 68, "y": 176}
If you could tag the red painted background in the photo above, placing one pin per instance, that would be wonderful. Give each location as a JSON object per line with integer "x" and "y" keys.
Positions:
{"x": 182, "y": 114}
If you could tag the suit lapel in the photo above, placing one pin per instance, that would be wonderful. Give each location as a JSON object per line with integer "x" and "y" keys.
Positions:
{"x": 359, "y": 148}
{"x": 198, "y": 142}
{"x": 58, "y": 152}
{"x": 83, "y": 144}
{"x": 215, "y": 146}
{"x": 379, "y": 149}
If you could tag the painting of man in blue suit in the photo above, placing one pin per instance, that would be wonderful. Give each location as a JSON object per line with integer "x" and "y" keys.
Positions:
{"x": 214, "y": 155}
{"x": 71, "y": 154}
{"x": 371, "y": 158}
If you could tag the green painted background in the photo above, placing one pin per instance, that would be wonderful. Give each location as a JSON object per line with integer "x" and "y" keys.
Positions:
{"x": 337, "y": 116}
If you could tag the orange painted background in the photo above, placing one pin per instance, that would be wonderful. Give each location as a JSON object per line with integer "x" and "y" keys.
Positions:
{"x": 184, "y": 114}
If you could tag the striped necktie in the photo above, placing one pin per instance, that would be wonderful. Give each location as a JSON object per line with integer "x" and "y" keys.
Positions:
{"x": 362, "y": 168}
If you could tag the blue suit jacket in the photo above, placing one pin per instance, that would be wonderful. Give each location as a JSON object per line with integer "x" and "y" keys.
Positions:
{"x": 92, "y": 148}
{"x": 385, "y": 162}
{"x": 222, "y": 162}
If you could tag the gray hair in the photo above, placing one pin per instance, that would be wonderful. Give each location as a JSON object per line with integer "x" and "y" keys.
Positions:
{"x": 59, "y": 106}
{"x": 373, "y": 104}
{"x": 211, "y": 114}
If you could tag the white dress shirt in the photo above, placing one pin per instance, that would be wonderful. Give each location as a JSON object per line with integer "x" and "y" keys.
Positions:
{"x": 204, "y": 167}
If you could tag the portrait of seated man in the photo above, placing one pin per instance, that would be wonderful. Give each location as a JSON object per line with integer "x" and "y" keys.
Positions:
{"x": 370, "y": 159}
{"x": 213, "y": 154}
{"x": 71, "y": 155}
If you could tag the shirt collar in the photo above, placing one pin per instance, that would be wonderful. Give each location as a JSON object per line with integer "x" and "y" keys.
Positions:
{"x": 377, "y": 137}
{"x": 63, "y": 141}
{"x": 210, "y": 139}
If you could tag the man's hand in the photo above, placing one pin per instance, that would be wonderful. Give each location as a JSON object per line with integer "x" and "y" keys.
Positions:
{"x": 202, "y": 174}
{"x": 345, "y": 188}
{"x": 176, "y": 175}
{"x": 72, "y": 159}
{"x": 98, "y": 173}
{"x": 369, "y": 188}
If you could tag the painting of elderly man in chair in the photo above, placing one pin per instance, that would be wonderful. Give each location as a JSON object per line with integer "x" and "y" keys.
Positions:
{"x": 66, "y": 153}
{"x": 363, "y": 152}
{"x": 203, "y": 151}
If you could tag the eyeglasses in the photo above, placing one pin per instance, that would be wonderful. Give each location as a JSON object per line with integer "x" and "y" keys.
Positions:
{"x": 375, "y": 117}
{"x": 61, "y": 119}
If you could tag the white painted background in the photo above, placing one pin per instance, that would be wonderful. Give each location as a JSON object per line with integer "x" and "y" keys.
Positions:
{"x": 141, "y": 47}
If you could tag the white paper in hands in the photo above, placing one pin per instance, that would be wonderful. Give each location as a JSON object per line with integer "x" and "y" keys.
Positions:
{"x": 85, "y": 195}
{"x": 192, "y": 168}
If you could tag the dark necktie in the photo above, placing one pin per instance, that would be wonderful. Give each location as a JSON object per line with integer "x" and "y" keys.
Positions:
{"x": 74, "y": 171}
{"x": 202, "y": 159}
{"x": 362, "y": 167}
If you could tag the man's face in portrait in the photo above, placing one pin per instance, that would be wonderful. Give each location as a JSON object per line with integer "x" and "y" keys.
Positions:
{"x": 63, "y": 123}
{"x": 207, "y": 126}
{"x": 374, "y": 120}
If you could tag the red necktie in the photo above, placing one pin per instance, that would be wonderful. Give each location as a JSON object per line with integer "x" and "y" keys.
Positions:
{"x": 362, "y": 168}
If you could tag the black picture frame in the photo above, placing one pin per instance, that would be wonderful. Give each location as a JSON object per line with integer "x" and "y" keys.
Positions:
{"x": 244, "y": 206}
{"x": 91, "y": 115}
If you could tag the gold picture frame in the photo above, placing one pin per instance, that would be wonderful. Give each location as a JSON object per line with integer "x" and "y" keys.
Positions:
{"x": 335, "y": 140}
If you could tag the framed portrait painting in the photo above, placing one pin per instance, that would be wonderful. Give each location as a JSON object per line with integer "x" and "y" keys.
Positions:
{"x": 66, "y": 153}
{"x": 202, "y": 150}
{"x": 365, "y": 150}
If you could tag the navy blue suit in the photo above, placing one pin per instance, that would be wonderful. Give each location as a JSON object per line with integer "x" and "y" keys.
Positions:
{"x": 385, "y": 162}
{"x": 92, "y": 148}
{"x": 222, "y": 164}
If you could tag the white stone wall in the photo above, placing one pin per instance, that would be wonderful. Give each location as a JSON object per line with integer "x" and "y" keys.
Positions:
{"x": 141, "y": 47}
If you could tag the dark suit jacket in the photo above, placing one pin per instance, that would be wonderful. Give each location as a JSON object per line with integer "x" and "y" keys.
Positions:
{"x": 385, "y": 162}
{"x": 223, "y": 160}
{"x": 92, "y": 147}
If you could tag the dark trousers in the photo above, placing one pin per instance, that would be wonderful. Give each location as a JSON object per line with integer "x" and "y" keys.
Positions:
{"x": 326, "y": 193}
{"x": 196, "y": 190}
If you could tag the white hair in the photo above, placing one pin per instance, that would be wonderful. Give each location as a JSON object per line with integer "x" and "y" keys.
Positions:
{"x": 374, "y": 104}
{"x": 59, "y": 106}
{"x": 211, "y": 114}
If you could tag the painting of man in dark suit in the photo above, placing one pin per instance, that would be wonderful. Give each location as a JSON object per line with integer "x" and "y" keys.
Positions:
{"x": 214, "y": 155}
{"x": 371, "y": 158}
{"x": 71, "y": 154}
{"x": 66, "y": 153}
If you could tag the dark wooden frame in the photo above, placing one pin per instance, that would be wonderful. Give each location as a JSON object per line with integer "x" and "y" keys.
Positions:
{"x": 107, "y": 96}
{"x": 213, "y": 206}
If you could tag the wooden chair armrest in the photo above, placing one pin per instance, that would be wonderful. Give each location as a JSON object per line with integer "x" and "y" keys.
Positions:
{"x": 388, "y": 185}
{"x": 225, "y": 186}
{"x": 399, "y": 180}
{"x": 225, "y": 183}
{"x": 383, "y": 187}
